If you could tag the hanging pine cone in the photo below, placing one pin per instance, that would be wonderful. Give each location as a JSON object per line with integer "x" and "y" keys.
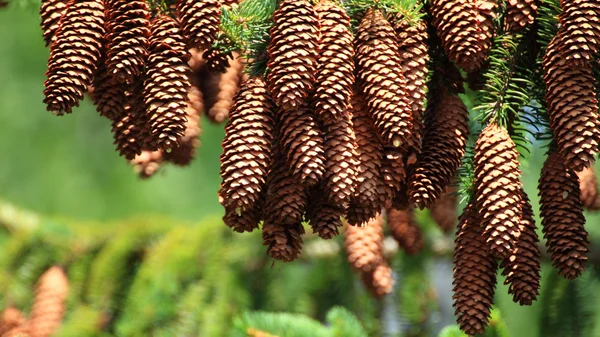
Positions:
{"x": 109, "y": 96}
{"x": 572, "y": 107}
{"x": 247, "y": 145}
{"x": 335, "y": 74}
{"x": 380, "y": 78}
{"x": 166, "y": 84}
{"x": 10, "y": 319}
{"x": 51, "y": 11}
{"x": 474, "y": 275}
{"x": 186, "y": 151}
{"x": 293, "y": 53}
{"x": 147, "y": 163}
{"x": 246, "y": 221}
{"x": 404, "y": 230}
{"x": 48, "y": 307}
{"x": 324, "y": 216}
{"x": 444, "y": 144}
{"x": 562, "y": 217}
{"x": 443, "y": 210}
{"x": 200, "y": 21}
{"x": 379, "y": 281}
{"x": 126, "y": 134}
{"x": 466, "y": 29}
{"x": 364, "y": 245}
{"x": 216, "y": 60}
{"x": 588, "y": 184}
{"x": 520, "y": 14}
{"x": 128, "y": 29}
{"x": 393, "y": 171}
{"x": 74, "y": 56}
{"x": 522, "y": 267}
{"x": 580, "y": 31}
{"x": 228, "y": 84}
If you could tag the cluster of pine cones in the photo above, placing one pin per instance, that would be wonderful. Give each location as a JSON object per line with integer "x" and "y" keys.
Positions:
{"x": 47, "y": 311}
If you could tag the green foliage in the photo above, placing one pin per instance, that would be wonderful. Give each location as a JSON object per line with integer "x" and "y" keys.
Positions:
{"x": 344, "y": 324}
{"x": 452, "y": 331}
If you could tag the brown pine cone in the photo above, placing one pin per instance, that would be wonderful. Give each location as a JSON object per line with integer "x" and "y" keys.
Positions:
{"x": 128, "y": 29}
{"x": 245, "y": 221}
{"x": 379, "y": 281}
{"x": 216, "y": 60}
{"x": 364, "y": 245}
{"x": 474, "y": 274}
{"x": 48, "y": 308}
{"x": 580, "y": 31}
{"x": 443, "y": 210}
{"x": 520, "y": 14}
{"x": 126, "y": 132}
{"x": 405, "y": 231}
{"x": 335, "y": 73}
{"x": 393, "y": 171}
{"x": 109, "y": 96}
{"x": 166, "y": 84}
{"x": 498, "y": 189}
{"x": 200, "y": 21}
{"x": 227, "y": 85}
{"x": 10, "y": 319}
{"x": 74, "y": 56}
{"x": 284, "y": 242}
{"x": 147, "y": 163}
{"x": 186, "y": 151}
{"x": 293, "y": 53}
{"x": 522, "y": 267}
{"x": 588, "y": 184}
{"x": 51, "y": 12}
{"x": 466, "y": 29}
{"x": 247, "y": 145}
{"x": 444, "y": 144}
{"x": 562, "y": 217}
{"x": 380, "y": 78}
{"x": 324, "y": 216}
{"x": 572, "y": 107}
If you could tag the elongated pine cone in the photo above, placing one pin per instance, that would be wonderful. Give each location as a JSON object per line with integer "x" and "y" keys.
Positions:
{"x": 393, "y": 172}
{"x": 520, "y": 14}
{"x": 443, "y": 210}
{"x": 474, "y": 274}
{"x": 335, "y": 74}
{"x": 126, "y": 133}
{"x": 293, "y": 53}
{"x": 10, "y": 319}
{"x": 246, "y": 221}
{"x": 216, "y": 60}
{"x": 166, "y": 85}
{"x": 51, "y": 11}
{"x": 49, "y": 307}
{"x": 588, "y": 184}
{"x": 183, "y": 154}
{"x": 247, "y": 145}
{"x": 379, "y": 281}
{"x": 109, "y": 96}
{"x": 147, "y": 163}
{"x": 580, "y": 30}
{"x": 405, "y": 231}
{"x": 562, "y": 217}
{"x": 380, "y": 78}
{"x": 228, "y": 85}
{"x": 466, "y": 29}
{"x": 444, "y": 145}
{"x": 522, "y": 267}
{"x": 200, "y": 21}
{"x": 324, "y": 216}
{"x": 74, "y": 56}
{"x": 128, "y": 29}
{"x": 572, "y": 107}
{"x": 364, "y": 245}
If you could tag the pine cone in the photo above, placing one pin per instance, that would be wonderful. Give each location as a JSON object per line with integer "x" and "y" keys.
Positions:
{"x": 126, "y": 133}
{"x": 520, "y": 14}
{"x": 324, "y": 216}
{"x": 405, "y": 231}
{"x": 216, "y": 60}
{"x": 128, "y": 29}
{"x": 302, "y": 142}
{"x": 166, "y": 84}
{"x": 572, "y": 107}
{"x": 380, "y": 78}
{"x": 444, "y": 144}
{"x": 293, "y": 53}
{"x": 228, "y": 85}
{"x": 247, "y": 145}
{"x": 200, "y": 21}
{"x": 393, "y": 172}
{"x": 186, "y": 151}
{"x": 443, "y": 210}
{"x": 379, "y": 281}
{"x": 48, "y": 307}
{"x": 147, "y": 163}
{"x": 364, "y": 245}
{"x": 74, "y": 56}
{"x": 466, "y": 29}
{"x": 10, "y": 319}
{"x": 562, "y": 217}
{"x": 335, "y": 73}
{"x": 580, "y": 31}
{"x": 588, "y": 184}
{"x": 51, "y": 12}
{"x": 474, "y": 275}
{"x": 245, "y": 221}
{"x": 522, "y": 268}
{"x": 109, "y": 96}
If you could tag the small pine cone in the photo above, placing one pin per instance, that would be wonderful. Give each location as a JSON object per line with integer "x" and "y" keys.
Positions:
{"x": 293, "y": 53}
{"x": 379, "y": 281}
{"x": 228, "y": 84}
{"x": 324, "y": 216}
{"x": 302, "y": 142}
{"x": 444, "y": 144}
{"x": 200, "y": 21}
{"x": 335, "y": 74}
{"x": 580, "y": 30}
{"x": 443, "y": 210}
{"x": 520, "y": 14}
{"x": 74, "y": 56}
{"x": 405, "y": 231}
{"x": 186, "y": 151}
{"x": 128, "y": 30}
{"x": 498, "y": 189}
{"x": 216, "y": 60}
{"x": 364, "y": 245}
{"x": 522, "y": 268}
{"x": 247, "y": 145}
{"x": 51, "y": 12}
{"x": 126, "y": 134}
{"x": 465, "y": 28}
{"x": 10, "y": 319}
{"x": 393, "y": 171}
{"x": 588, "y": 184}
{"x": 109, "y": 96}
{"x": 166, "y": 84}
{"x": 48, "y": 308}
{"x": 284, "y": 242}
{"x": 474, "y": 275}
{"x": 572, "y": 107}
{"x": 563, "y": 222}
{"x": 246, "y": 221}
{"x": 380, "y": 78}
{"x": 147, "y": 163}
